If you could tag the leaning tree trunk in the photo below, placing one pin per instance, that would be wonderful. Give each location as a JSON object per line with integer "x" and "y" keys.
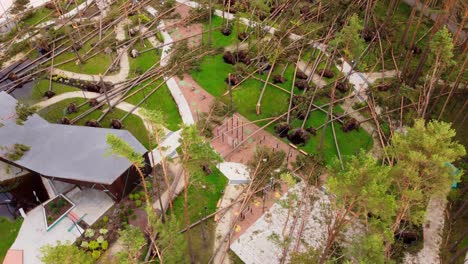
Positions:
{"x": 453, "y": 88}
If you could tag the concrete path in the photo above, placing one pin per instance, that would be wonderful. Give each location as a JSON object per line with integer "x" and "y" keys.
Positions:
{"x": 224, "y": 223}
{"x": 432, "y": 233}
{"x": 302, "y": 65}
{"x": 174, "y": 88}
{"x": 236, "y": 172}
{"x": 168, "y": 147}
{"x": 33, "y": 234}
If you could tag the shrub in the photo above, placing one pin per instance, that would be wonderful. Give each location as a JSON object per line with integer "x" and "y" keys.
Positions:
{"x": 148, "y": 185}
{"x": 84, "y": 244}
{"x": 131, "y": 196}
{"x": 93, "y": 245}
{"x": 105, "y": 219}
{"x": 142, "y": 194}
{"x": 138, "y": 203}
{"x": 104, "y": 245}
{"x": 100, "y": 239}
{"x": 96, "y": 254}
{"x": 136, "y": 196}
{"x": 89, "y": 233}
{"x": 103, "y": 231}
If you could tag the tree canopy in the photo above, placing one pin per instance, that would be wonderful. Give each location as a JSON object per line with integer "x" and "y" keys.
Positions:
{"x": 64, "y": 254}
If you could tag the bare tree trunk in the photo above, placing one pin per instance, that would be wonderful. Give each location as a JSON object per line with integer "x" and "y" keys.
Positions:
{"x": 454, "y": 87}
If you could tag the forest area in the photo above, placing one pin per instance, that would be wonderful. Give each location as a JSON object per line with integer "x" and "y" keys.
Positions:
{"x": 348, "y": 115}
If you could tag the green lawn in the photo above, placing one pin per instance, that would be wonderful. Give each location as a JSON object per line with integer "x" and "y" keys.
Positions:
{"x": 219, "y": 40}
{"x": 160, "y": 100}
{"x": 274, "y": 103}
{"x": 206, "y": 191}
{"x": 42, "y": 86}
{"x": 95, "y": 65}
{"x": 40, "y": 15}
{"x": 9, "y": 230}
{"x": 145, "y": 60}
{"x": 132, "y": 123}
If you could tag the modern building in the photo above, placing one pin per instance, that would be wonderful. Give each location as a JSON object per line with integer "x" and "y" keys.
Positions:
{"x": 60, "y": 158}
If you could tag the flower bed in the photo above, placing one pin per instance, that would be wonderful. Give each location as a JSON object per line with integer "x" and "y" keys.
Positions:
{"x": 55, "y": 209}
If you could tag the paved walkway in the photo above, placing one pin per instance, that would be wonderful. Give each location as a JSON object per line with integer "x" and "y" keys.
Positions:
{"x": 302, "y": 65}
{"x": 174, "y": 88}
{"x": 33, "y": 234}
{"x": 224, "y": 223}
{"x": 432, "y": 233}
{"x": 124, "y": 63}
{"x": 236, "y": 172}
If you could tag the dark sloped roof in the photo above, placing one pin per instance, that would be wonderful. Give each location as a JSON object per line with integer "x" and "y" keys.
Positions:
{"x": 63, "y": 151}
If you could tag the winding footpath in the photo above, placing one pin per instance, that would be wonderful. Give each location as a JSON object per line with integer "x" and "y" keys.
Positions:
{"x": 124, "y": 106}
{"x": 124, "y": 63}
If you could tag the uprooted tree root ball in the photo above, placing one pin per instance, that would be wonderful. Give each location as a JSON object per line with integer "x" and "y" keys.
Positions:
{"x": 301, "y": 75}
{"x": 278, "y": 79}
{"x": 226, "y": 31}
{"x": 282, "y": 129}
{"x": 342, "y": 87}
{"x": 235, "y": 57}
{"x": 326, "y": 73}
{"x": 350, "y": 124}
{"x": 65, "y": 121}
{"x": 242, "y": 36}
{"x": 299, "y": 136}
{"x": 92, "y": 123}
{"x": 301, "y": 84}
{"x": 232, "y": 80}
{"x": 49, "y": 94}
{"x": 93, "y": 102}
{"x": 71, "y": 108}
{"x": 116, "y": 124}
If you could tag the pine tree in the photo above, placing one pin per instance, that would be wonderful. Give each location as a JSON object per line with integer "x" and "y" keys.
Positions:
{"x": 422, "y": 155}
{"x": 360, "y": 189}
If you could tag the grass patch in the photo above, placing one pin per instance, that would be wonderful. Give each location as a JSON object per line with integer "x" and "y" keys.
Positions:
{"x": 205, "y": 192}
{"x": 39, "y": 15}
{"x": 9, "y": 230}
{"x": 132, "y": 123}
{"x": 95, "y": 65}
{"x": 145, "y": 60}
{"x": 220, "y": 40}
{"x": 160, "y": 100}
{"x": 42, "y": 86}
{"x": 275, "y": 102}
